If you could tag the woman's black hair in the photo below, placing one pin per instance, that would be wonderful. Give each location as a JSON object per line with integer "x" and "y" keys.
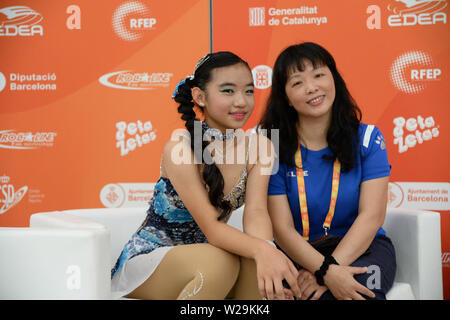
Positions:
{"x": 342, "y": 135}
{"x": 201, "y": 77}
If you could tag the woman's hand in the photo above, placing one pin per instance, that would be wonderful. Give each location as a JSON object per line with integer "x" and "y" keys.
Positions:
{"x": 342, "y": 284}
{"x": 272, "y": 267}
{"x": 308, "y": 285}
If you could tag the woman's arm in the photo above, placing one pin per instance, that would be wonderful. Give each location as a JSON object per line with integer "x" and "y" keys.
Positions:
{"x": 339, "y": 279}
{"x": 371, "y": 214}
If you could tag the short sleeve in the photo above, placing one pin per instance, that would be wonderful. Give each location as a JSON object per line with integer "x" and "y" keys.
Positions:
{"x": 277, "y": 182}
{"x": 374, "y": 157}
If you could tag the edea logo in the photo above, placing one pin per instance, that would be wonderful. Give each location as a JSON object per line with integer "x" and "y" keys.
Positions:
{"x": 131, "y": 20}
{"x": 417, "y": 12}
{"x": 410, "y": 71}
{"x": 9, "y": 197}
{"x": 20, "y": 21}
{"x": 135, "y": 80}
{"x": 407, "y": 13}
{"x": 262, "y": 76}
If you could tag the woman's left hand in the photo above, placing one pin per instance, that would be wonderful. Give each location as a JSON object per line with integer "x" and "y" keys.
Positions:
{"x": 308, "y": 285}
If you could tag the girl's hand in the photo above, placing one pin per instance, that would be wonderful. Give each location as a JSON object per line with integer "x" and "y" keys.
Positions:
{"x": 272, "y": 267}
{"x": 342, "y": 284}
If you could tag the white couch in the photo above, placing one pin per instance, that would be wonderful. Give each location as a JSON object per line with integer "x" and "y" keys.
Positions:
{"x": 69, "y": 254}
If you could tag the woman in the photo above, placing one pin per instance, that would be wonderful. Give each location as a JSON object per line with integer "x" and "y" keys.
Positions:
{"x": 184, "y": 249}
{"x": 336, "y": 170}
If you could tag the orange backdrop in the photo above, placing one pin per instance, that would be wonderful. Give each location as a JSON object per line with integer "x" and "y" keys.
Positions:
{"x": 85, "y": 99}
{"x": 85, "y": 88}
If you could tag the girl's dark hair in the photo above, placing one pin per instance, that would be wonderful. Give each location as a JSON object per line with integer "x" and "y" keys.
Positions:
{"x": 342, "y": 136}
{"x": 202, "y": 75}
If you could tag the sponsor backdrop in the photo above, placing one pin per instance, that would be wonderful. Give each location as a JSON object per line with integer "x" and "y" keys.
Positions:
{"x": 85, "y": 99}
{"x": 85, "y": 88}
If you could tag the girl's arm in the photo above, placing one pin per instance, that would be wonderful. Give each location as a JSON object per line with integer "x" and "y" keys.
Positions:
{"x": 188, "y": 184}
{"x": 256, "y": 219}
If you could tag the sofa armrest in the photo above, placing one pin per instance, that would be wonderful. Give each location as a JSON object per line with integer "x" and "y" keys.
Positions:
{"x": 58, "y": 219}
{"x": 52, "y": 263}
{"x": 416, "y": 236}
{"x": 120, "y": 222}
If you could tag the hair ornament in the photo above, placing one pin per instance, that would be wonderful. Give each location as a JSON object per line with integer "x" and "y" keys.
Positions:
{"x": 200, "y": 63}
{"x": 191, "y": 77}
{"x": 175, "y": 92}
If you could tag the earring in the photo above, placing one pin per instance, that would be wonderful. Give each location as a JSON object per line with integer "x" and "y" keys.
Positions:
{"x": 201, "y": 104}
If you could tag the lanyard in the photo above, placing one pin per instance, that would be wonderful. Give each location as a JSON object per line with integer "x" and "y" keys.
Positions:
{"x": 302, "y": 194}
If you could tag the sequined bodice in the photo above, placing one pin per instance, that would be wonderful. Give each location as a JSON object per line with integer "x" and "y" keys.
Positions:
{"x": 236, "y": 196}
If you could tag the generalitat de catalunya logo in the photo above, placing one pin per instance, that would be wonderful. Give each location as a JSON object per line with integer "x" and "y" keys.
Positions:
{"x": 131, "y": 20}
{"x": 20, "y": 21}
{"x": 410, "y": 71}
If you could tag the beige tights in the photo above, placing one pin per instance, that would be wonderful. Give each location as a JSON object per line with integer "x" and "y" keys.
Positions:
{"x": 200, "y": 272}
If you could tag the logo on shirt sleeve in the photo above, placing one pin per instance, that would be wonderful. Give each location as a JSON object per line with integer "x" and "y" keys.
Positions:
{"x": 380, "y": 141}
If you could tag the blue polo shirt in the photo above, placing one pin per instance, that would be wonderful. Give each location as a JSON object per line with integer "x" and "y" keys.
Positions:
{"x": 372, "y": 162}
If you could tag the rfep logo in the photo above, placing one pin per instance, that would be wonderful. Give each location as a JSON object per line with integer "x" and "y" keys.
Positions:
{"x": 135, "y": 80}
{"x": 262, "y": 76}
{"x": 131, "y": 20}
{"x": 410, "y": 71}
{"x": 20, "y": 21}
{"x": 8, "y": 196}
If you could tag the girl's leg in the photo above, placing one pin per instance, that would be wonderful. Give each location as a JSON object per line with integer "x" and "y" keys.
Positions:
{"x": 246, "y": 287}
{"x": 195, "y": 271}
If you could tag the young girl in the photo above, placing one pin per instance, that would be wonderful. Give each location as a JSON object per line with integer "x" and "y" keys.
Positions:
{"x": 328, "y": 199}
{"x": 184, "y": 249}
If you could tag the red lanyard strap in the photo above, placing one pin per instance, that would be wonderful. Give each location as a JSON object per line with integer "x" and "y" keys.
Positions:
{"x": 302, "y": 194}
